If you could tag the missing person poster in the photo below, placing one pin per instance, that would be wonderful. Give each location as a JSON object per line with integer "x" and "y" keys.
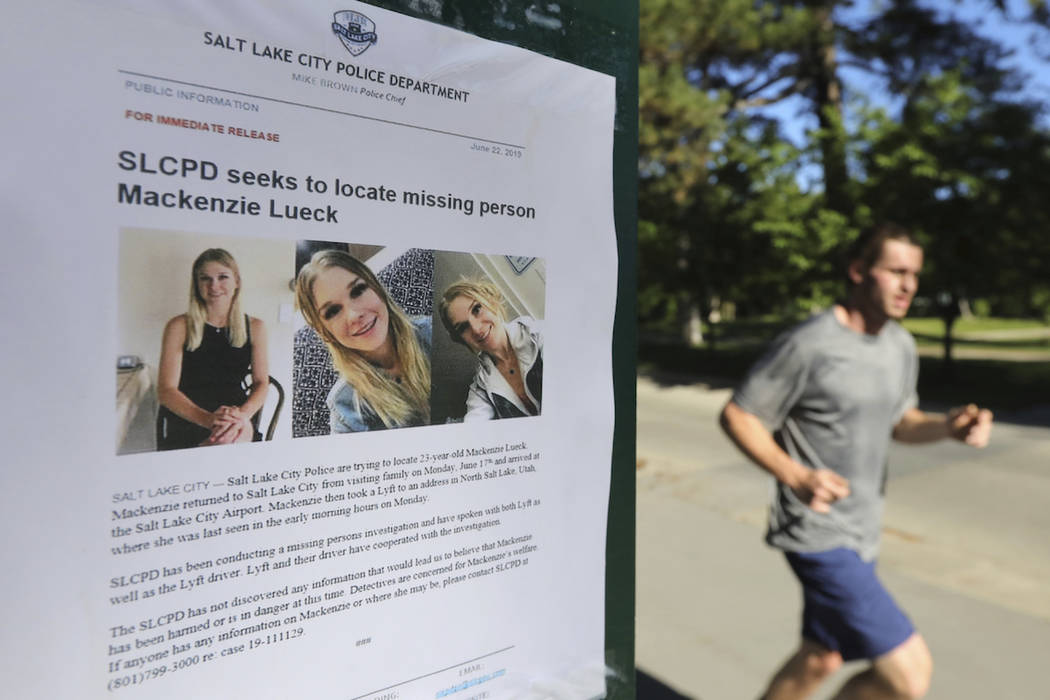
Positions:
{"x": 307, "y": 356}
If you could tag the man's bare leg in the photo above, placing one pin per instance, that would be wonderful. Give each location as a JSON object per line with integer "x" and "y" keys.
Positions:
{"x": 903, "y": 673}
{"x": 803, "y": 672}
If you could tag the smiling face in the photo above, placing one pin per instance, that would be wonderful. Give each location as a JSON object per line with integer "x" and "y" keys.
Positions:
{"x": 887, "y": 288}
{"x": 480, "y": 328}
{"x": 216, "y": 284}
{"x": 351, "y": 311}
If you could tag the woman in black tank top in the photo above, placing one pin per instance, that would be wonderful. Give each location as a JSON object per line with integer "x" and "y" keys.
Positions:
{"x": 206, "y": 354}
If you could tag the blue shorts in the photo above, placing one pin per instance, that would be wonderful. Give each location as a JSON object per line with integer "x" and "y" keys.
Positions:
{"x": 846, "y": 609}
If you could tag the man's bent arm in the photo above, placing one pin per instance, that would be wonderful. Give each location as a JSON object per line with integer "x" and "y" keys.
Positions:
{"x": 968, "y": 424}
{"x": 817, "y": 487}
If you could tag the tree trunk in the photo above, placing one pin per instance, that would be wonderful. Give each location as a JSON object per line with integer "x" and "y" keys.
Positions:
{"x": 823, "y": 62}
{"x": 949, "y": 321}
{"x": 714, "y": 317}
{"x": 694, "y": 327}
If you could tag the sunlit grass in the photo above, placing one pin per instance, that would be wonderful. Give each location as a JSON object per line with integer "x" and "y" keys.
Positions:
{"x": 747, "y": 333}
{"x": 998, "y": 384}
{"x": 995, "y": 381}
{"x": 962, "y": 326}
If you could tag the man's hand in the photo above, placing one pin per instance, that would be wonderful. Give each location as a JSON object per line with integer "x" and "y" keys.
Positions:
{"x": 819, "y": 488}
{"x": 970, "y": 425}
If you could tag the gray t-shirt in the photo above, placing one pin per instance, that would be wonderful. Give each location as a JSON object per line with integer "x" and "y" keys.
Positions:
{"x": 831, "y": 397}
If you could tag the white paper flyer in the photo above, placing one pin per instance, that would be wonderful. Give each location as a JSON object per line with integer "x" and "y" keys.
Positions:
{"x": 351, "y": 277}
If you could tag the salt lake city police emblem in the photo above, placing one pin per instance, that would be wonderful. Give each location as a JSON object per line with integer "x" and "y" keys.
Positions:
{"x": 356, "y": 31}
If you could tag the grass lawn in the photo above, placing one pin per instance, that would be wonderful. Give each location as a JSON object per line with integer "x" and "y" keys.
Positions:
{"x": 927, "y": 332}
{"x": 935, "y": 326}
{"x": 997, "y": 383}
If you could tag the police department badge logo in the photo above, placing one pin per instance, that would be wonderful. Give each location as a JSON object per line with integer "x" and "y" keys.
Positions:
{"x": 356, "y": 31}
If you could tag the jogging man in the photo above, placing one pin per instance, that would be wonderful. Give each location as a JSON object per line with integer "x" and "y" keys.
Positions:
{"x": 817, "y": 412}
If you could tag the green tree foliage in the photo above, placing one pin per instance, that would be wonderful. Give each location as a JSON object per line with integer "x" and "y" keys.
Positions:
{"x": 732, "y": 210}
{"x": 723, "y": 216}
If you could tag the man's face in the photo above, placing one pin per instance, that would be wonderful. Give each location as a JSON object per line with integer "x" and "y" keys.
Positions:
{"x": 887, "y": 288}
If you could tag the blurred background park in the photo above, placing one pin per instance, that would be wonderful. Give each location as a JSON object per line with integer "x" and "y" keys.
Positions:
{"x": 770, "y": 133}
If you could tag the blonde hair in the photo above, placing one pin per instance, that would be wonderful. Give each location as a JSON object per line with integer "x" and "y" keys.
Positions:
{"x": 396, "y": 404}
{"x": 482, "y": 291}
{"x": 197, "y": 314}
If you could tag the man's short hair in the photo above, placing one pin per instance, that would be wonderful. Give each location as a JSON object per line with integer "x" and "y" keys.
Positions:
{"x": 867, "y": 247}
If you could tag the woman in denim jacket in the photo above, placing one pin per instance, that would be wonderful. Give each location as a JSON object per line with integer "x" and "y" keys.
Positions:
{"x": 381, "y": 354}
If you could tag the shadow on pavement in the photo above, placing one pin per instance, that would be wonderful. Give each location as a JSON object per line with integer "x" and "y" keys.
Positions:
{"x": 648, "y": 688}
{"x": 1036, "y": 416}
{"x": 669, "y": 378}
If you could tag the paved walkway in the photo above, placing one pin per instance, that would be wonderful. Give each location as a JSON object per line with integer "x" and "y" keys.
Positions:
{"x": 965, "y": 551}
